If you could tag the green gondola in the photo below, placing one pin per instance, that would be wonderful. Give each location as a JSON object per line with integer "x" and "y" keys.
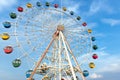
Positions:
{"x": 16, "y": 63}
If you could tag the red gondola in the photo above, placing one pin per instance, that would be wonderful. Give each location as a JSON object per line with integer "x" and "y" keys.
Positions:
{"x": 20, "y": 9}
{"x": 56, "y": 5}
{"x": 95, "y": 56}
{"x": 8, "y": 49}
{"x": 84, "y": 24}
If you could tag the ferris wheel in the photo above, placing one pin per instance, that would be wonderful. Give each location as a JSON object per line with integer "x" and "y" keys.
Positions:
{"x": 54, "y": 40}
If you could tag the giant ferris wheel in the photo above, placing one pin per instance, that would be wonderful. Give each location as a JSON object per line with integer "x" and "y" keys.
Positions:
{"x": 55, "y": 41}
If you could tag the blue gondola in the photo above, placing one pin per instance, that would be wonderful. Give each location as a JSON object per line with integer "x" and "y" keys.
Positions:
{"x": 85, "y": 73}
{"x": 93, "y": 38}
{"x": 7, "y": 24}
{"x": 71, "y": 12}
{"x": 38, "y": 4}
{"x": 28, "y": 73}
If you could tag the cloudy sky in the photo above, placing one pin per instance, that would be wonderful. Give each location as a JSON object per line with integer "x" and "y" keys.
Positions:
{"x": 103, "y": 16}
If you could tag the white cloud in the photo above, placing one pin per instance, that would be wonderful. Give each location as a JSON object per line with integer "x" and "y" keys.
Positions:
{"x": 95, "y": 76}
{"x": 111, "y": 21}
{"x": 72, "y": 5}
{"x": 50, "y": 0}
{"x": 103, "y": 48}
{"x": 98, "y": 6}
{"x": 95, "y": 7}
{"x": 108, "y": 63}
{"x": 99, "y": 34}
{"x": 74, "y": 8}
{"x": 111, "y": 65}
{"x": 92, "y": 25}
{"x": 6, "y": 3}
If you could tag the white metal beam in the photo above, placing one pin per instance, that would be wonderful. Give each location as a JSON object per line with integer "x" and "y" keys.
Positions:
{"x": 67, "y": 54}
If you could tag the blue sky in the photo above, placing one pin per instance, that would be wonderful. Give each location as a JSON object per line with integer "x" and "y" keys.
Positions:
{"x": 101, "y": 15}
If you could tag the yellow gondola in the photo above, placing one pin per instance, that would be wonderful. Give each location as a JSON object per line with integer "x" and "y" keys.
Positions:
{"x": 5, "y": 36}
{"x": 29, "y": 5}
{"x": 89, "y": 31}
{"x": 64, "y": 9}
{"x": 91, "y": 65}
